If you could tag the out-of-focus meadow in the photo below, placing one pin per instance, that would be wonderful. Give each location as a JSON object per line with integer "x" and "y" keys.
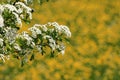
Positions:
{"x": 93, "y": 52}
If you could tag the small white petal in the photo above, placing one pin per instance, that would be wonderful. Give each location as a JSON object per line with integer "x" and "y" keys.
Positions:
{"x": 1, "y": 42}
{"x": 16, "y": 46}
{"x": 1, "y": 21}
{"x": 62, "y": 52}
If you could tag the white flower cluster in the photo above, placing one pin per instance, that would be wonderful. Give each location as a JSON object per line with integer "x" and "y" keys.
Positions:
{"x": 25, "y": 36}
{"x": 61, "y": 29}
{"x": 35, "y": 31}
{"x": 10, "y": 34}
{"x": 9, "y": 27}
{"x": 51, "y": 32}
{"x": 22, "y": 7}
{"x": 38, "y": 37}
{"x": 17, "y": 10}
{"x": 51, "y": 41}
{"x": 12, "y": 9}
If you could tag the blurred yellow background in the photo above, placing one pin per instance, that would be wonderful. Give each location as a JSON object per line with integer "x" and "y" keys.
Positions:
{"x": 94, "y": 49}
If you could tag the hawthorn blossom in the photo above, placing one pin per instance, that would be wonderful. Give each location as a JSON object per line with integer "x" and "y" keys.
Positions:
{"x": 41, "y": 27}
{"x": 24, "y": 42}
{"x": 18, "y": 19}
{"x": 61, "y": 48}
{"x": 17, "y": 47}
{"x": 61, "y": 29}
{"x": 66, "y": 30}
{"x": 39, "y": 48}
{"x": 12, "y": 9}
{"x": 35, "y": 31}
{"x": 10, "y": 34}
{"x": 25, "y": 35}
{"x": 22, "y": 6}
{"x": 44, "y": 28}
{"x": 51, "y": 42}
{"x": 8, "y": 6}
{"x": 57, "y": 26}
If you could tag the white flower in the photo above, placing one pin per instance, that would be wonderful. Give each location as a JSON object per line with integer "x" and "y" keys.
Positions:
{"x": 42, "y": 27}
{"x": 14, "y": 11}
{"x": 1, "y": 21}
{"x": 35, "y": 31}
{"x": 51, "y": 30}
{"x": 51, "y": 43}
{"x": 32, "y": 44}
{"x": 61, "y": 48}
{"x": 25, "y": 36}
{"x": 54, "y": 24}
{"x": 60, "y": 28}
{"x": 20, "y": 10}
{"x": 57, "y": 27}
{"x": 66, "y": 31}
{"x": 39, "y": 47}
{"x": 3, "y": 57}
{"x": 49, "y": 24}
{"x": 1, "y": 42}
{"x": 10, "y": 7}
{"x": 16, "y": 46}
{"x": 28, "y": 9}
{"x": 47, "y": 37}
{"x": 10, "y": 34}
{"x": 18, "y": 19}
{"x": 1, "y": 9}
{"x": 63, "y": 52}
{"x": 28, "y": 38}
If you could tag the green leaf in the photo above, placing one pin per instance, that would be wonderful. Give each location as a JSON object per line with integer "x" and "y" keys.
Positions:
{"x": 16, "y": 56}
{"x": 22, "y": 63}
{"x": 52, "y": 54}
{"x": 68, "y": 40}
{"x": 32, "y": 57}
